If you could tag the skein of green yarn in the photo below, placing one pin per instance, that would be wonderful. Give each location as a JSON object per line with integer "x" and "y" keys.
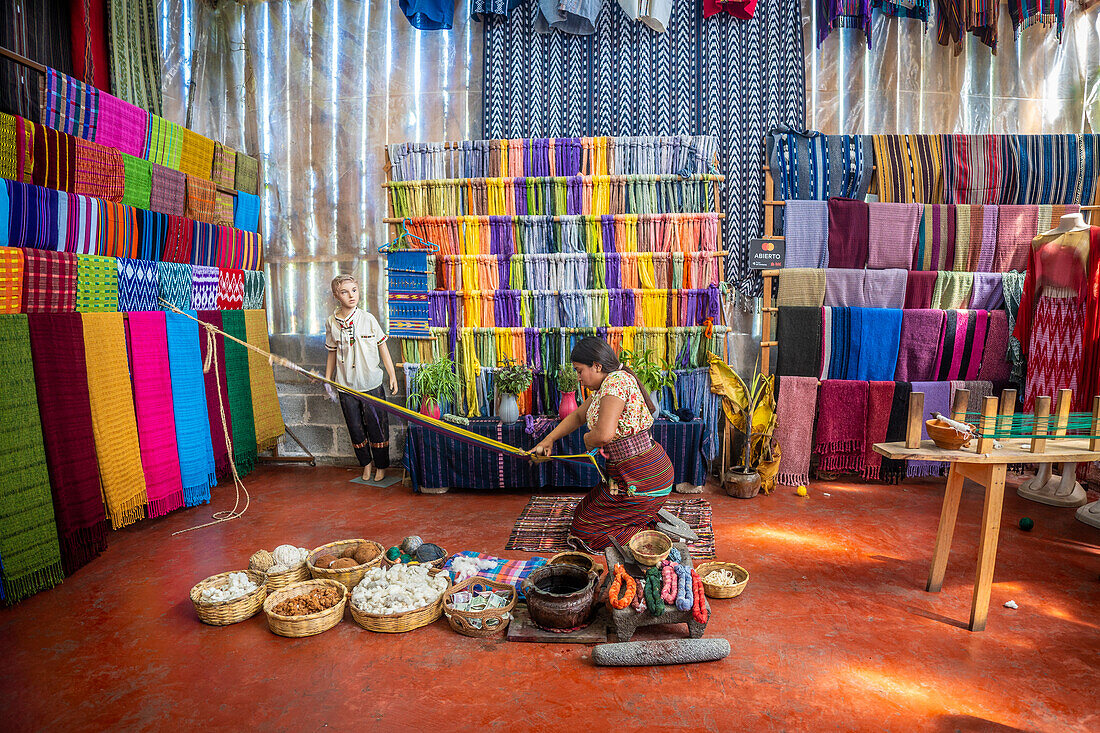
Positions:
{"x": 653, "y": 600}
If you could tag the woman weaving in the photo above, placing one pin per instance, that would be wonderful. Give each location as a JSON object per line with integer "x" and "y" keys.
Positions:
{"x": 618, "y": 415}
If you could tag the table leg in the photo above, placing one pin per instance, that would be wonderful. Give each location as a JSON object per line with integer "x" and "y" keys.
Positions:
{"x": 946, "y": 530}
{"x": 987, "y": 547}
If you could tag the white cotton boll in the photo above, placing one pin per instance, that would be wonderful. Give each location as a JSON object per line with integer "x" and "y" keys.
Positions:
{"x": 397, "y": 590}
{"x": 288, "y": 555}
{"x": 236, "y": 586}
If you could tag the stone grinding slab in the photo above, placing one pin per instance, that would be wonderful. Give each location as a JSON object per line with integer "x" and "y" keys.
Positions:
{"x": 665, "y": 651}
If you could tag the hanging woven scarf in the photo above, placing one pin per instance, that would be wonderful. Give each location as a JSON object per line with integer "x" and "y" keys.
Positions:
{"x": 49, "y": 281}
{"x": 265, "y": 402}
{"x": 174, "y": 284}
{"x": 178, "y": 240}
{"x": 11, "y": 279}
{"x": 843, "y": 14}
{"x": 240, "y": 392}
{"x": 167, "y": 191}
{"x": 114, "y": 425}
{"x": 254, "y": 283}
{"x": 99, "y": 171}
{"x": 910, "y": 168}
{"x": 70, "y": 105}
{"x": 121, "y": 125}
{"x": 139, "y": 181}
{"x": 230, "y": 293}
{"x": 200, "y": 199}
{"x": 204, "y": 287}
{"x": 917, "y": 10}
{"x": 135, "y": 52}
{"x": 974, "y": 170}
{"x": 28, "y": 532}
{"x": 215, "y": 385}
{"x": 810, "y": 165}
{"x": 196, "y": 455}
{"x": 936, "y": 239}
{"x": 137, "y": 285}
{"x": 97, "y": 284}
{"x": 955, "y": 17}
{"x": 32, "y": 217}
{"x": 61, "y": 378}
{"x": 246, "y": 177}
{"x": 54, "y": 159}
{"x": 1055, "y": 169}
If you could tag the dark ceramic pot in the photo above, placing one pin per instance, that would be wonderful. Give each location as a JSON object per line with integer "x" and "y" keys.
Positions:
{"x": 742, "y": 485}
{"x": 560, "y": 596}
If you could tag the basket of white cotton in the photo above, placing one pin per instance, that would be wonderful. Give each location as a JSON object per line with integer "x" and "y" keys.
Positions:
{"x": 479, "y": 607}
{"x": 722, "y": 579}
{"x": 227, "y": 598}
{"x": 283, "y": 567}
{"x": 399, "y": 598}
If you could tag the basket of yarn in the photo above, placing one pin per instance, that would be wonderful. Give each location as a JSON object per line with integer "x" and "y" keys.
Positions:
{"x": 479, "y": 624}
{"x": 388, "y": 562}
{"x": 291, "y": 570}
{"x": 231, "y": 611}
{"x": 351, "y": 558}
{"x": 734, "y": 579}
{"x": 307, "y": 624}
{"x": 398, "y": 623}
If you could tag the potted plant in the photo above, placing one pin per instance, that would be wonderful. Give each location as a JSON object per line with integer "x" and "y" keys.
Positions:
{"x": 433, "y": 384}
{"x": 512, "y": 379}
{"x": 654, "y": 376}
{"x": 567, "y": 386}
{"x": 749, "y": 408}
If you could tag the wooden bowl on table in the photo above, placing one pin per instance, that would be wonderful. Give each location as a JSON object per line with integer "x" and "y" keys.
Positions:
{"x": 650, "y": 547}
{"x": 945, "y": 436}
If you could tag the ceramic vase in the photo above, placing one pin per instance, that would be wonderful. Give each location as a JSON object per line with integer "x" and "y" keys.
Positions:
{"x": 568, "y": 405}
{"x": 508, "y": 411}
{"x": 431, "y": 409}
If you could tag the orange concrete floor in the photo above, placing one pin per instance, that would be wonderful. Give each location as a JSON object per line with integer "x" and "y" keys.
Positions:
{"x": 834, "y": 631}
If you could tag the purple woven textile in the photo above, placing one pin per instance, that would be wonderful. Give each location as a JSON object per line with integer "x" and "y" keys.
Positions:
{"x": 892, "y": 234}
{"x": 920, "y": 333}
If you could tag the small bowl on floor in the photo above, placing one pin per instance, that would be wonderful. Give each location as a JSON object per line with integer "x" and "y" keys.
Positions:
{"x": 650, "y": 547}
{"x": 945, "y": 436}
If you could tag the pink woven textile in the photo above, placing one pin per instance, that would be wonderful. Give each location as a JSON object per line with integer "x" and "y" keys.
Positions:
{"x": 156, "y": 420}
{"x": 995, "y": 366}
{"x": 1016, "y": 227}
{"x": 842, "y": 425}
{"x": 795, "y": 428}
{"x": 121, "y": 125}
{"x": 892, "y": 234}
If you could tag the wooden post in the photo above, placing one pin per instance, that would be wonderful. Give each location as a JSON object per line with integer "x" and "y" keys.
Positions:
{"x": 769, "y": 195}
{"x": 1042, "y": 412}
{"x": 1065, "y": 400}
{"x": 1008, "y": 409}
{"x": 958, "y": 409}
{"x": 1094, "y": 444}
{"x": 766, "y": 325}
{"x": 989, "y": 422}
{"x": 915, "y": 422}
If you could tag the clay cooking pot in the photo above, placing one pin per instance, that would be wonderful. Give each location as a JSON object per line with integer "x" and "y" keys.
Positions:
{"x": 560, "y": 596}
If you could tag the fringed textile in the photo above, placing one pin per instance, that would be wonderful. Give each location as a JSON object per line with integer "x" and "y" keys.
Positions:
{"x": 937, "y": 398}
{"x": 61, "y": 378}
{"x": 841, "y": 436}
{"x": 150, "y": 371}
{"x": 833, "y": 14}
{"x": 114, "y": 423}
{"x": 193, "y": 442}
{"x": 918, "y": 10}
{"x": 96, "y": 284}
{"x": 954, "y": 18}
{"x": 240, "y": 392}
{"x": 1026, "y": 13}
{"x": 28, "y": 532}
{"x": 794, "y": 429}
{"x": 880, "y": 397}
{"x": 267, "y": 416}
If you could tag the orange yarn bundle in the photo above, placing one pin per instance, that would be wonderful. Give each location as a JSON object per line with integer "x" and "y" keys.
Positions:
{"x": 624, "y": 584}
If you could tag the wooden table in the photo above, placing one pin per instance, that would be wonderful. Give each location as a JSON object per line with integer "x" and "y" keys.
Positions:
{"x": 988, "y": 470}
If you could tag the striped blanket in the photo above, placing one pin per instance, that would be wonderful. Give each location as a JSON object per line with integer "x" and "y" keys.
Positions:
{"x": 810, "y": 165}
{"x": 910, "y": 168}
{"x": 49, "y": 281}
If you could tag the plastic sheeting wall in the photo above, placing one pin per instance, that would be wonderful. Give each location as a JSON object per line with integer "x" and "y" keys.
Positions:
{"x": 907, "y": 83}
{"x": 315, "y": 89}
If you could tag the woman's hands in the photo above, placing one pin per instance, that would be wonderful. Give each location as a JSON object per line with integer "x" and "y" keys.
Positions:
{"x": 544, "y": 449}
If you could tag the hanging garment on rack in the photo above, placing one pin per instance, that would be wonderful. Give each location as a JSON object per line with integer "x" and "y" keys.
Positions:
{"x": 892, "y": 235}
{"x": 801, "y": 287}
{"x": 936, "y": 241}
{"x": 880, "y": 398}
{"x": 961, "y": 343}
{"x": 1026, "y": 13}
{"x": 919, "y": 286}
{"x": 810, "y": 165}
{"x": 879, "y": 337}
{"x": 995, "y": 365}
{"x": 987, "y": 292}
{"x": 798, "y": 335}
{"x": 794, "y": 429}
{"x": 841, "y": 437}
{"x": 975, "y": 170}
{"x": 806, "y": 233}
{"x": 954, "y": 18}
{"x": 920, "y": 329}
{"x": 952, "y": 290}
{"x": 910, "y": 168}
{"x": 848, "y": 232}
{"x": 61, "y": 379}
{"x": 913, "y": 9}
{"x": 975, "y": 237}
{"x": 833, "y": 14}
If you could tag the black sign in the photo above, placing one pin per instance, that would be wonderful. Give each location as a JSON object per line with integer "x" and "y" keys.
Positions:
{"x": 766, "y": 254}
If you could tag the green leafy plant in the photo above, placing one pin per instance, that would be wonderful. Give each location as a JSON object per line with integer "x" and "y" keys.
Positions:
{"x": 749, "y": 408}
{"x": 567, "y": 379}
{"x": 514, "y": 378}
{"x": 652, "y": 374}
{"x": 436, "y": 382}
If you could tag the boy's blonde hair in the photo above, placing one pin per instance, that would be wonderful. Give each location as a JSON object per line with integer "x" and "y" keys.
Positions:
{"x": 340, "y": 280}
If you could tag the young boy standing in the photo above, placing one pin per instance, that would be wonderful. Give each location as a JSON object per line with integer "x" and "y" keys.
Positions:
{"x": 356, "y": 349}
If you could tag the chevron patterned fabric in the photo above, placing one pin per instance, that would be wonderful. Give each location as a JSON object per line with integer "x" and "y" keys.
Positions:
{"x": 718, "y": 76}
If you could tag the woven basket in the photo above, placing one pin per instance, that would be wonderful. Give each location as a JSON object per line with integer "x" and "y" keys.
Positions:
{"x": 435, "y": 564}
{"x": 723, "y": 591}
{"x": 397, "y": 623}
{"x": 229, "y": 612}
{"x": 348, "y": 576}
{"x": 310, "y": 624}
{"x": 650, "y": 547}
{"x": 278, "y": 581}
{"x": 492, "y": 621}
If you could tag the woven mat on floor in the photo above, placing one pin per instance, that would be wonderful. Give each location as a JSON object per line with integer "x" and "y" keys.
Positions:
{"x": 543, "y": 525}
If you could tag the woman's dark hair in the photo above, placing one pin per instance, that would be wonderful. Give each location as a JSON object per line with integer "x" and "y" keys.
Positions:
{"x": 593, "y": 350}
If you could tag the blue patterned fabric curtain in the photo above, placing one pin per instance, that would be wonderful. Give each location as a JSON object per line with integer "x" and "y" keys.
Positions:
{"x": 734, "y": 79}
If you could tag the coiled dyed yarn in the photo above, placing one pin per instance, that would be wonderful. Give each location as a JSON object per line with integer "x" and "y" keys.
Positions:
{"x": 668, "y": 582}
{"x": 622, "y": 583}
{"x": 653, "y": 592}
{"x": 699, "y": 610}
{"x": 684, "y": 595}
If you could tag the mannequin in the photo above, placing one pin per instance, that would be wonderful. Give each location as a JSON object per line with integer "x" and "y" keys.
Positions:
{"x": 1057, "y": 296}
